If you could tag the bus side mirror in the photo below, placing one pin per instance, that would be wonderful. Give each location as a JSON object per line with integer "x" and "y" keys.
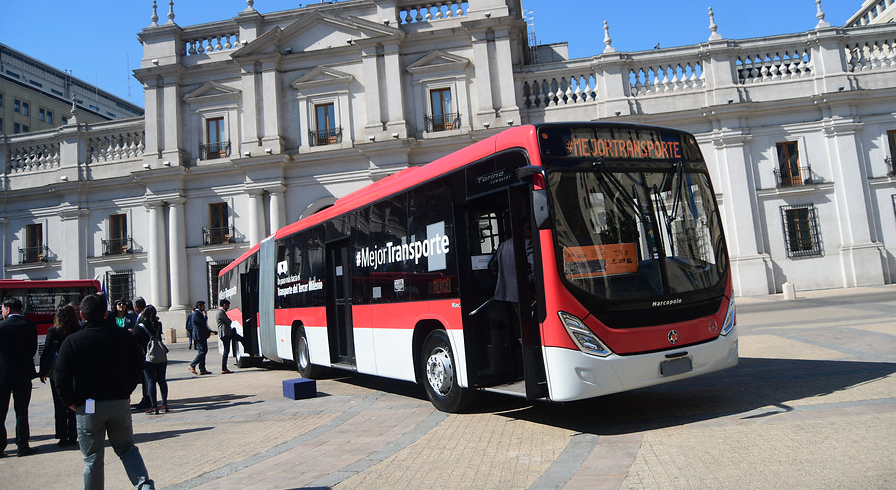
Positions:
{"x": 541, "y": 202}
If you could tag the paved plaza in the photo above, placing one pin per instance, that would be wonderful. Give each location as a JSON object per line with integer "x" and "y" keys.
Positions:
{"x": 811, "y": 405}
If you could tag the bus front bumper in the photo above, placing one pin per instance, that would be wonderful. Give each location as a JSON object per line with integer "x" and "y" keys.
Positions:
{"x": 574, "y": 375}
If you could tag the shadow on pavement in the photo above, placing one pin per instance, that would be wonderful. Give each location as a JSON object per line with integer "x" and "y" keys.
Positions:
{"x": 213, "y": 402}
{"x": 143, "y": 437}
{"x": 754, "y": 384}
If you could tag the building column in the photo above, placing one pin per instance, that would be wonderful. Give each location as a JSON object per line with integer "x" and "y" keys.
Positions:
{"x": 750, "y": 265}
{"x": 861, "y": 256}
{"x": 270, "y": 93}
{"x": 277, "y": 207}
{"x": 506, "y": 90}
{"x": 4, "y": 247}
{"x": 177, "y": 251}
{"x": 372, "y": 85}
{"x": 171, "y": 111}
{"x": 74, "y": 265}
{"x": 486, "y": 105}
{"x": 256, "y": 216}
{"x": 249, "y": 121}
{"x": 158, "y": 257}
{"x": 395, "y": 122}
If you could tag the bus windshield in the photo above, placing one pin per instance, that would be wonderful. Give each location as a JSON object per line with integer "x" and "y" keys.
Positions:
{"x": 636, "y": 233}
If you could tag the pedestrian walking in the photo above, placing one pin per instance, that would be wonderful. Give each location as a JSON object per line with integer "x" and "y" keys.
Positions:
{"x": 18, "y": 344}
{"x": 189, "y": 327}
{"x": 65, "y": 324}
{"x": 227, "y": 334}
{"x": 96, "y": 371}
{"x": 201, "y": 333}
{"x": 156, "y": 361}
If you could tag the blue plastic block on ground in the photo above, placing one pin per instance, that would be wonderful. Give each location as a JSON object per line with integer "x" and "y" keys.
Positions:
{"x": 296, "y": 389}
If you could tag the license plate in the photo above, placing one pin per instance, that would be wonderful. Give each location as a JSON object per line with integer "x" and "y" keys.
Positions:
{"x": 676, "y": 366}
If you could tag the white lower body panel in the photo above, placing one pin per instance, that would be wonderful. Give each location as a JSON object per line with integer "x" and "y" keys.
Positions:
{"x": 574, "y": 375}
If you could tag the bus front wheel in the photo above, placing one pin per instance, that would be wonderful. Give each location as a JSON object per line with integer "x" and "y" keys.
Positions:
{"x": 302, "y": 356}
{"x": 440, "y": 374}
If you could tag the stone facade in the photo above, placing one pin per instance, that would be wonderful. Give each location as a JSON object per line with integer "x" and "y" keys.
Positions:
{"x": 255, "y": 121}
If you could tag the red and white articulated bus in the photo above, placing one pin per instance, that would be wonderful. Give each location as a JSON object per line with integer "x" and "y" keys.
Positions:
{"x": 41, "y": 299}
{"x": 629, "y": 283}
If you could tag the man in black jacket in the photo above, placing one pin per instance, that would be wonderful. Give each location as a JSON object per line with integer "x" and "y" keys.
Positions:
{"x": 96, "y": 371}
{"x": 18, "y": 344}
{"x": 201, "y": 333}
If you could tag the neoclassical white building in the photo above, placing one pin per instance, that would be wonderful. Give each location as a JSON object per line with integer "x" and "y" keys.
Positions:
{"x": 259, "y": 119}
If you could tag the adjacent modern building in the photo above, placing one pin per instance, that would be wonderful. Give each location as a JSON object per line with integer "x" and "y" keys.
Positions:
{"x": 35, "y": 96}
{"x": 257, "y": 120}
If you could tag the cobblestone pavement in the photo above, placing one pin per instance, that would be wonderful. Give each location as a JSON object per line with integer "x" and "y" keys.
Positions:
{"x": 811, "y": 405}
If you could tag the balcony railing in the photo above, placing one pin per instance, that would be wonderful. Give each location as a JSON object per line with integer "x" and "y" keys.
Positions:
{"x": 890, "y": 171}
{"x": 210, "y": 151}
{"x": 442, "y": 122}
{"x": 787, "y": 178}
{"x": 117, "y": 246}
{"x": 217, "y": 236}
{"x": 331, "y": 136}
{"x": 34, "y": 254}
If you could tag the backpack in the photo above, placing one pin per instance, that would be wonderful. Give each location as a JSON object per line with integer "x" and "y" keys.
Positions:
{"x": 156, "y": 351}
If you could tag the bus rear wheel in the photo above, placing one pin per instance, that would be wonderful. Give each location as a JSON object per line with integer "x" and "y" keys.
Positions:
{"x": 302, "y": 355}
{"x": 440, "y": 374}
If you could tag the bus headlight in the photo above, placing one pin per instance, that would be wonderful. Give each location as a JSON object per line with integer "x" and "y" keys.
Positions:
{"x": 730, "y": 319}
{"x": 585, "y": 340}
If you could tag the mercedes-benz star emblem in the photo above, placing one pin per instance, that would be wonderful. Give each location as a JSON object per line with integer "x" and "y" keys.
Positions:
{"x": 673, "y": 336}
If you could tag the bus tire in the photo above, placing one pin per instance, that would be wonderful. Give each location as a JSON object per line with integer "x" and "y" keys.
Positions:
{"x": 302, "y": 355}
{"x": 440, "y": 374}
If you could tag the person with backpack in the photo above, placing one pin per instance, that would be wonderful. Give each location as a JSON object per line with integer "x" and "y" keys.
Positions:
{"x": 156, "y": 361}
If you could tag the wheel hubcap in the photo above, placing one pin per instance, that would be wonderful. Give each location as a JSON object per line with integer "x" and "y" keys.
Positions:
{"x": 303, "y": 353}
{"x": 439, "y": 371}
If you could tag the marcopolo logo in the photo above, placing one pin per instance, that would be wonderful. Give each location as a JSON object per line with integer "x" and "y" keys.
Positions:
{"x": 668, "y": 302}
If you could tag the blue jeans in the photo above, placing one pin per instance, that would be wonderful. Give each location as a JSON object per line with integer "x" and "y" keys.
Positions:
{"x": 202, "y": 348}
{"x": 112, "y": 417}
{"x": 155, "y": 375}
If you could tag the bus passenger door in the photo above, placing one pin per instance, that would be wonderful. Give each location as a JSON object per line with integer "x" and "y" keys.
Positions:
{"x": 339, "y": 303}
{"x": 502, "y": 341}
{"x": 249, "y": 304}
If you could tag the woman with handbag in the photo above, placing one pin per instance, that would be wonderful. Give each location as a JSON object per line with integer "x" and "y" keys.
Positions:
{"x": 65, "y": 324}
{"x": 156, "y": 360}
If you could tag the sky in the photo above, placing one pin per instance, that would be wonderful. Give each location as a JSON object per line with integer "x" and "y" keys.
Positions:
{"x": 97, "y": 42}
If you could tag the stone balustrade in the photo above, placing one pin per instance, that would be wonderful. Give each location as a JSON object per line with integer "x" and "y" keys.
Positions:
{"x": 28, "y": 155}
{"x": 71, "y": 146}
{"x": 430, "y": 11}
{"x": 210, "y": 38}
{"x": 664, "y": 72}
{"x": 115, "y": 146}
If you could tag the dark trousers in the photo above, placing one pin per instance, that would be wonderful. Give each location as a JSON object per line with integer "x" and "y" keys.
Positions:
{"x": 202, "y": 348}
{"x": 154, "y": 372}
{"x": 189, "y": 338}
{"x": 66, "y": 425}
{"x": 21, "y": 396}
{"x": 229, "y": 340}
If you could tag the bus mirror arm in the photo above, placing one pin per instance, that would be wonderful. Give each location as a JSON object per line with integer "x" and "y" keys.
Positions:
{"x": 483, "y": 305}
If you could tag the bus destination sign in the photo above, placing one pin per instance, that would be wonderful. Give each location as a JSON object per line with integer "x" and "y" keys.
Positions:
{"x": 622, "y": 143}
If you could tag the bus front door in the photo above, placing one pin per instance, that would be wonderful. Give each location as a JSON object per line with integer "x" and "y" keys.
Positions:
{"x": 502, "y": 340}
{"x": 339, "y": 303}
